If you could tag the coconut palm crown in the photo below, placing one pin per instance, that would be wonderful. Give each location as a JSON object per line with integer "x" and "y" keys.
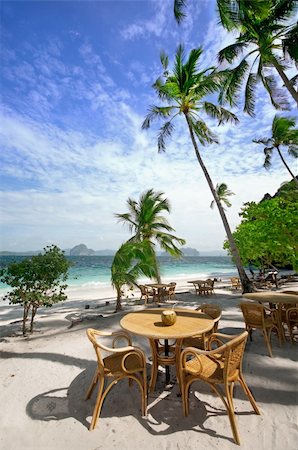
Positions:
{"x": 223, "y": 193}
{"x": 184, "y": 90}
{"x": 284, "y": 134}
{"x": 264, "y": 35}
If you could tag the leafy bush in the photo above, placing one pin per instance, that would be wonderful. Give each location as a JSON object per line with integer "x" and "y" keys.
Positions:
{"x": 37, "y": 281}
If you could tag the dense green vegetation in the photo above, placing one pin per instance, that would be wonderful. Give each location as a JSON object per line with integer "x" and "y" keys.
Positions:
{"x": 268, "y": 232}
{"x": 37, "y": 281}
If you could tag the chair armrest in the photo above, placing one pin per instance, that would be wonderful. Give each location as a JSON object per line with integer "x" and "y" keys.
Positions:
{"x": 197, "y": 352}
{"x": 140, "y": 354}
{"x": 121, "y": 335}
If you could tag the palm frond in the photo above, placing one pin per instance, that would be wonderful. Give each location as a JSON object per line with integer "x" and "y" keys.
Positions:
{"x": 231, "y": 52}
{"x": 290, "y": 43}
{"x": 228, "y": 13}
{"x": 249, "y": 105}
{"x": 179, "y": 13}
{"x": 164, "y": 132}
{"x": 190, "y": 67}
{"x": 203, "y": 133}
{"x": 268, "y": 154}
{"x": 164, "y": 59}
{"x": 232, "y": 85}
{"x": 178, "y": 67}
{"x": 156, "y": 112}
{"x": 264, "y": 141}
{"x": 277, "y": 95}
{"x": 220, "y": 113}
{"x": 293, "y": 151}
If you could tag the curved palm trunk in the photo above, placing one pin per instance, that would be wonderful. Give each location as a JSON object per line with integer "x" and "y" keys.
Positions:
{"x": 286, "y": 165}
{"x": 246, "y": 283}
{"x": 118, "y": 301}
{"x": 286, "y": 81}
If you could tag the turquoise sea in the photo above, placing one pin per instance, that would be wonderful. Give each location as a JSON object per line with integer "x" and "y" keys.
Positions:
{"x": 90, "y": 271}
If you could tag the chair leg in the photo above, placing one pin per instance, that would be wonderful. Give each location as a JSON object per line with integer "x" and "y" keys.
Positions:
{"x": 185, "y": 397}
{"x": 98, "y": 405}
{"x": 267, "y": 340}
{"x": 92, "y": 385}
{"x": 231, "y": 414}
{"x": 249, "y": 395}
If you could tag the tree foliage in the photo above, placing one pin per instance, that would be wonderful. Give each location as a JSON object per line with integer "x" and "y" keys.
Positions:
{"x": 37, "y": 281}
{"x": 132, "y": 260}
{"x": 184, "y": 90}
{"x": 137, "y": 256}
{"x": 283, "y": 134}
{"x": 268, "y": 232}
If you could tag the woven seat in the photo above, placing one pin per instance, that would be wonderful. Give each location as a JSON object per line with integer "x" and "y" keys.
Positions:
{"x": 124, "y": 362}
{"x": 259, "y": 317}
{"x": 221, "y": 366}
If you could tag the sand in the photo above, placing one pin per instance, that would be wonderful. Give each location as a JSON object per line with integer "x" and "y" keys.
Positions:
{"x": 44, "y": 378}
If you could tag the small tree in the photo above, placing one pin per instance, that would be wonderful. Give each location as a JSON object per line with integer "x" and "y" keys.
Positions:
{"x": 36, "y": 281}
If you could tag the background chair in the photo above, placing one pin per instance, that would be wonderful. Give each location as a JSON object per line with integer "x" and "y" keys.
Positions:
{"x": 124, "y": 362}
{"x": 221, "y": 366}
{"x": 201, "y": 340}
{"x": 169, "y": 292}
{"x": 292, "y": 320}
{"x": 146, "y": 293}
{"x": 236, "y": 283}
{"x": 209, "y": 286}
{"x": 257, "y": 316}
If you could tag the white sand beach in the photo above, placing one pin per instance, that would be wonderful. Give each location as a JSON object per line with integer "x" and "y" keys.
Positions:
{"x": 45, "y": 376}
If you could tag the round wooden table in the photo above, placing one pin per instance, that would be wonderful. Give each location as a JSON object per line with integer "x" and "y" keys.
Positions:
{"x": 272, "y": 297}
{"x": 148, "y": 323}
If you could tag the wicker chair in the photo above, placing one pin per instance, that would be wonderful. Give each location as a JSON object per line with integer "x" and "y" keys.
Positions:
{"x": 146, "y": 293}
{"x": 265, "y": 319}
{"x": 292, "y": 320}
{"x": 221, "y": 366}
{"x": 160, "y": 359}
{"x": 201, "y": 341}
{"x": 236, "y": 283}
{"x": 123, "y": 362}
{"x": 168, "y": 293}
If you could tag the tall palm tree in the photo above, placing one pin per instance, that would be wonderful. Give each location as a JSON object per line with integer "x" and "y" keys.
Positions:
{"x": 146, "y": 221}
{"x": 132, "y": 260}
{"x": 184, "y": 91}
{"x": 263, "y": 36}
{"x": 262, "y": 32}
{"x": 283, "y": 134}
{"x": 223, "y": 193}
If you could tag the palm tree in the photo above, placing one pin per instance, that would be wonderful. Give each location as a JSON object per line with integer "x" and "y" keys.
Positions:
{"x": 283, "y": 134}
{"x": 184, "y": 91}
{"x": 262, "y": 35}
{"x": 261, "y": 25}
{"x": 132, "y": 260}
{"x": 146, "y": 221}
{"x": 223, "y": 193}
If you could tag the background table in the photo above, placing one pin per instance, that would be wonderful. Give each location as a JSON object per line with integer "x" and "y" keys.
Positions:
{"x": 148, "y": 323}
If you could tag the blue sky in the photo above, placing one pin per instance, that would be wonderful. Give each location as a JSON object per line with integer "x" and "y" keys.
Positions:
{"x": 75, "y": 87}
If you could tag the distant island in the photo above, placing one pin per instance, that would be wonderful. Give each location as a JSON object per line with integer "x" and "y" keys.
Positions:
{"x": 83, "y": 250}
